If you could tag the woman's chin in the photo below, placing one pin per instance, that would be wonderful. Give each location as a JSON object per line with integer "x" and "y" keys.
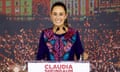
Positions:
{"x": 58, "y": 24}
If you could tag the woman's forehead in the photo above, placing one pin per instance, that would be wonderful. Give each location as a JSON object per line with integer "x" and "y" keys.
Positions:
{"x": 58, "y": 9}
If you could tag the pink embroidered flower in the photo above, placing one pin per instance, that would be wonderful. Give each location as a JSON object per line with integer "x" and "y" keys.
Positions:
{"x": 49, "y": 45}
{"x": 48, "y": 33}
{"x": 69, "y": 34}
{"x": 68, "y": 46}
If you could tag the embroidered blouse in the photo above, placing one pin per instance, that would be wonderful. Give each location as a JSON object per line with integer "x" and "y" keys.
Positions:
{"x": 54, "y": 47}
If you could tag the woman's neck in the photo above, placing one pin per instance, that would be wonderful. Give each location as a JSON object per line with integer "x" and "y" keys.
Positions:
{"x": 60, "y": 29}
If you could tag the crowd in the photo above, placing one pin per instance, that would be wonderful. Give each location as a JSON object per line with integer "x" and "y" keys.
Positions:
{"x": 18, "y": 48}
{"x": 102, "y": 44}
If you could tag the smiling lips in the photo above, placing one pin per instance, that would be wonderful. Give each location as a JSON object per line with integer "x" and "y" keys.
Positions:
{"x": 58, "y": 20}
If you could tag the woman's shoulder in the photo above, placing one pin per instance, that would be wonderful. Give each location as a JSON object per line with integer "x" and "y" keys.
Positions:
{"x": 70, "y": 29}
{"x": 47, "y": 30}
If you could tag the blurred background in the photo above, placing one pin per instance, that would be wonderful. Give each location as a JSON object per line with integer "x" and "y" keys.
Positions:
{"x": 98, "y": 22}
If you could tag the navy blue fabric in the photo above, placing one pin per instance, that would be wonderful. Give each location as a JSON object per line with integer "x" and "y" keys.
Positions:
{"x": 44, "y": 54}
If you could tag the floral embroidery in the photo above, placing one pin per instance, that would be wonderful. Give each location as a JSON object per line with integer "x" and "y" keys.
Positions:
{"x": 48, "y": 34}
{"x": 59, "y": 47}
{"x": 49, "y": 46}
{"x": 69, "y": 34}
{"x": 68, "y": 46}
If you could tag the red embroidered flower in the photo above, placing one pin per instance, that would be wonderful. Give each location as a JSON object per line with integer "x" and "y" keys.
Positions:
{"x": 69, "y": 34}
{"x": 48, "y": 33}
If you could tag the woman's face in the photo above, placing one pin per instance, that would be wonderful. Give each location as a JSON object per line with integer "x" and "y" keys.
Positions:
{"x": 58, "y": 16}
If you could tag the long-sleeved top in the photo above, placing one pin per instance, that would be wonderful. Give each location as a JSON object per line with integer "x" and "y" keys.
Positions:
{"x": 59, "y": 47}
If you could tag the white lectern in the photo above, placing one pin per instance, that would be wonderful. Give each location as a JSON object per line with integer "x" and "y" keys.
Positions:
{"x": 62, "y": 66}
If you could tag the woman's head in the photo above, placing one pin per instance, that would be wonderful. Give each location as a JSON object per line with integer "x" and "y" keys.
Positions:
{"x": 59, "y": 4}
{"x": 58, "y": 14}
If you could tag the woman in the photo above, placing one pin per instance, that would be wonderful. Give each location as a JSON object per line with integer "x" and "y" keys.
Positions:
{"x": 59, "y": 43}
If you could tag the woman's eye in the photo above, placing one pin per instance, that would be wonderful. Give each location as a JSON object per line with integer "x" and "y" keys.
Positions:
{"x": 55, "y": 14}
{"x": 61, "y": 14}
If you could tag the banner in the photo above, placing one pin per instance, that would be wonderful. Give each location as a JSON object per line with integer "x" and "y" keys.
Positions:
{"x": 58, "y": 66}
